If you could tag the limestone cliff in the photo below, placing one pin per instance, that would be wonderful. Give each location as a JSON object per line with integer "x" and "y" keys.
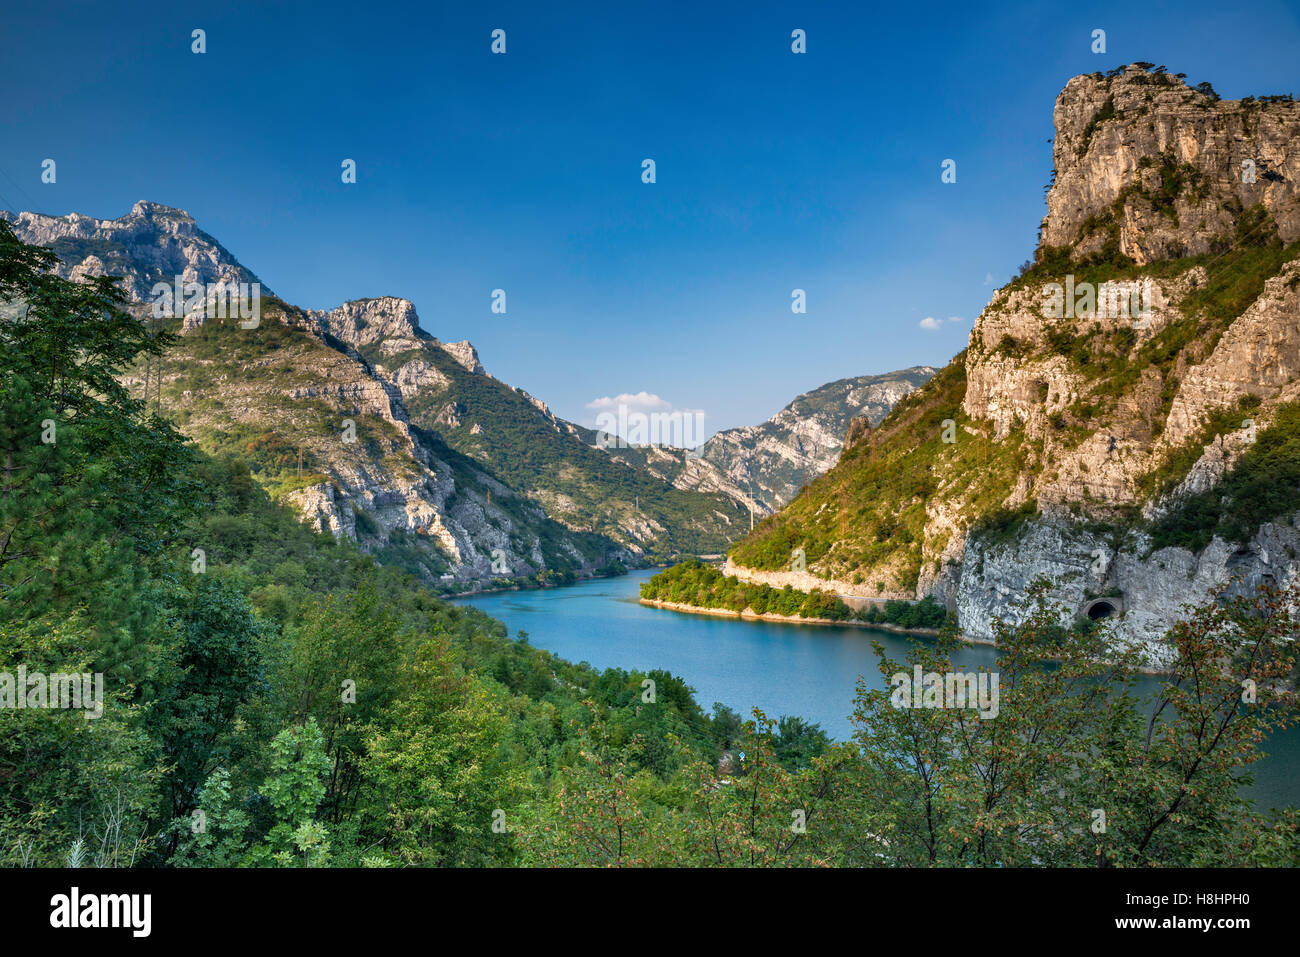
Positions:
{"x": 150, "y": 244}
{"x": 1146, "y": 357}
{"x": 1164, "y": 169}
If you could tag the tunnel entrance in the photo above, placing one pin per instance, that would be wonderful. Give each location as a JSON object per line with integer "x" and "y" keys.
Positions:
{"x": 1100, "y": 609}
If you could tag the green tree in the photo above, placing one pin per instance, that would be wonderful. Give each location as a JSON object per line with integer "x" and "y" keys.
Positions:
{"x": 65, "y": 776}
{"x": 342, "y": 666}
{"x": 294, "y": 789}
{"x": 215, "y": 834}
{"x": 94, "y": 487}
{"x": 211, "y": 666}
{"x": 434, "y": 766}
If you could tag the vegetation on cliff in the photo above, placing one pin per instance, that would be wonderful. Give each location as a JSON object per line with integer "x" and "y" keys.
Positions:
{"x": 865, "y": 520}
{"x": 700, "y": 585}
{"x": 703, "y": 586}
{"x": 1261, "y": 486}
{"x": 1064, "y": 414}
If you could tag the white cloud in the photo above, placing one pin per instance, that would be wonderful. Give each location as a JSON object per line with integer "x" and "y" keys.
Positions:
{"x": 929, "y": 322}
{"x": 633, "y": 401}
{"x": 645, "y": 418}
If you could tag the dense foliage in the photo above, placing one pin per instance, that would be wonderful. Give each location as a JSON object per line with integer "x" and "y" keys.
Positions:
{"x": 926, "y": 613}
{"x": 695, "y": 583}
{"x": 700, "y": 585}
{"x": 1262, "y": 485}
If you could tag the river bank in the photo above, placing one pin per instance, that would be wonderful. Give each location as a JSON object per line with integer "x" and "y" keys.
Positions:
{"x": 750, "y": 615}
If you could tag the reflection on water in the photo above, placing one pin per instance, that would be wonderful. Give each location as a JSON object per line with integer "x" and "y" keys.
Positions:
{"x": 780, "y": 668}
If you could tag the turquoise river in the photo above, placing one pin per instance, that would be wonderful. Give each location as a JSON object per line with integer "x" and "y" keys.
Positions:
{"x": 806, "y": 670}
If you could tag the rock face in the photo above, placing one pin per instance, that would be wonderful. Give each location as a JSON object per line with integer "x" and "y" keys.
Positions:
{"x": 467, "y": 356}
{"x": 1129, "y": 367}
{"x": 387, "y": 321}
{"x": 804, "y": 439}
{"x": 515, "y": 438}
{"x": 151, "y": 244}
{"x": 457, "y": 471}
{"x": 387, "y": 328}
{"x": 1030, "y": 388}
{"x": 325, "y": 510}
{"x": 1089, "y": 573}
{"x": 310, "y": 387}
{"x": 859, "y": 429}
{"x": 1116, "y": 135}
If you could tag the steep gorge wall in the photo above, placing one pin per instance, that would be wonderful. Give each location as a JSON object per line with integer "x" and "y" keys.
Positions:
{"x": 1064, "y": 430}
{"x": 1112, "y": 137}
{"x": 1107, "y": 188}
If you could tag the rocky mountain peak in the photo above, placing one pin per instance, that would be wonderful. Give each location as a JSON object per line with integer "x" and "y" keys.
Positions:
{"x": 387, "y": 320}
{"x": 152, "y": 243}
{"x": 146, "y": 209}
{"x": 466, "y": 355}
{"x": 1151, "y": 168}
{"x": 390, "y": 326}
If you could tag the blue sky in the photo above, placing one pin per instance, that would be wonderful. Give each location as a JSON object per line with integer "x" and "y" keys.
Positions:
{"x": 775, "y": 171}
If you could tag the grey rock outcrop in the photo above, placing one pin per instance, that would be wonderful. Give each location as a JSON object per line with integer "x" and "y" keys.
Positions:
{"x": 152, "y": 243}
{"x": 1113, "y": 134}
{"x": 466, "y": 355}
{"x": 1151, "y": 589}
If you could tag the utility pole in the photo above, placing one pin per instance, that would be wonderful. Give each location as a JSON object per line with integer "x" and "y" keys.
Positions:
{"x": 844, "y": 508}
{"x": 153, "y": 370}
{"x": 749, "y": 471}
{"x": 806, "y": 459}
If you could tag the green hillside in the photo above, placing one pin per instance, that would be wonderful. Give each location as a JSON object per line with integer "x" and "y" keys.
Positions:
{"x": 555, "y": 464}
